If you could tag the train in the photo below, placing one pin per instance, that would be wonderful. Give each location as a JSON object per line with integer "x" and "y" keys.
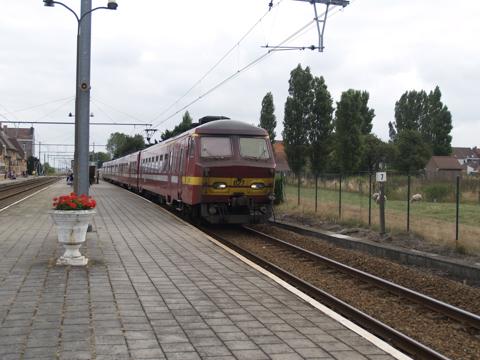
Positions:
{"x": 221, "y": 171}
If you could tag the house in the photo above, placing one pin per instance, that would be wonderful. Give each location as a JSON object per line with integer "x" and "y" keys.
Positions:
{"x": 12, "y": 158}
{"x": 469, "y": 158}
{"x": 280, "y": 157}
{"x": 443, "y": 168}
{"x": 477, "y": 151}
{"x": 24, "y": 136}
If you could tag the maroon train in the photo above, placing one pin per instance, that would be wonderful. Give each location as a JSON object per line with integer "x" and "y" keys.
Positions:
{"x": 221, "y": 171}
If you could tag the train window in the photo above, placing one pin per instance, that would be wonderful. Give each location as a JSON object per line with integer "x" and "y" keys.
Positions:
{"x": 180, "y": 162}
{"x": 255, "y": 148}
{"x": 165, "y": 164}
{"x": 216, "y": 147}
{"x": 191, "y": 147}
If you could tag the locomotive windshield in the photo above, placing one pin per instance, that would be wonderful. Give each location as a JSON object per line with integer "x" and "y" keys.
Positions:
{"x": 216, "y": 147}
{"x": 254, "y": 148}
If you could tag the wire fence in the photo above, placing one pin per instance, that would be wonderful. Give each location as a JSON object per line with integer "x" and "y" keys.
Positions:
{"x": 442, "y": 211}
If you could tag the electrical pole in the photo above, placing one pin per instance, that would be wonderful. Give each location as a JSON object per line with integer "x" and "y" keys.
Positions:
{"x": 39, "y": 157}
{"x": 82, "y": 103}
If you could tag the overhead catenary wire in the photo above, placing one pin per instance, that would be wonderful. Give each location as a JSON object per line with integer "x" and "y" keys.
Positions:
{"x": 55, "y": 110}
{"x": 222, "y": 58}
{"x": 40, "y": 105}
{"x": 234, "y": 75}
{"x": 278, "y": 47}
{"x": 97, "y": 99}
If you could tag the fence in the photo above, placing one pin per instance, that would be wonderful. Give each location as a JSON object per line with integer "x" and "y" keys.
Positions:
{"x": 448, "y": 213}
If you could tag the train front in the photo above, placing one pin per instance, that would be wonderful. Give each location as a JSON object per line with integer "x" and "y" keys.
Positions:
{"x": 238, "y": 170}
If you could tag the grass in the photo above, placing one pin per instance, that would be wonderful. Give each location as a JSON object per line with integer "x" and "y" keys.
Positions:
{"x": 434, "y": 222}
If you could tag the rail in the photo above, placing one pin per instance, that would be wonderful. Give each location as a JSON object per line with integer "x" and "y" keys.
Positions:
{"x": 396, "y": 338}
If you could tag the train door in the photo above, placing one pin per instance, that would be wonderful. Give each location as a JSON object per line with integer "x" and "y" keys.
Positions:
{"x": 137, "y": 171}
{"x": 181, "y": 163}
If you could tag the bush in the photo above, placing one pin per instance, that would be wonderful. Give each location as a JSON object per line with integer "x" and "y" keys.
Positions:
{"x": 278, "y": 190}
{"x": 438, "y": 192}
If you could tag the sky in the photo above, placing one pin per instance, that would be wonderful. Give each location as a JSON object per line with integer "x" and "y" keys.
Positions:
{"x": 154, "y": 60}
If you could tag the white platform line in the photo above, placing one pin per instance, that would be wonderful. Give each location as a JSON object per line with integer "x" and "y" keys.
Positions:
{"x": 26, "y": 197}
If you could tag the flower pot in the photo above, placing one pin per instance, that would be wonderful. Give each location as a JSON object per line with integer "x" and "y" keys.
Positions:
{"x": 72, "y": 228}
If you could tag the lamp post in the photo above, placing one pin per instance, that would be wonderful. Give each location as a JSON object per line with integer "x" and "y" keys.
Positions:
{"x": 82, "y": 89}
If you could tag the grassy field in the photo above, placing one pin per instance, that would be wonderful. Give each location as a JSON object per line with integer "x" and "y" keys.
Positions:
{"x": 434, "y": 222}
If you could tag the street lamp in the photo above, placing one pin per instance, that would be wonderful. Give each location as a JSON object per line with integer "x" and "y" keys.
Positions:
{"x": 82, "y": 89}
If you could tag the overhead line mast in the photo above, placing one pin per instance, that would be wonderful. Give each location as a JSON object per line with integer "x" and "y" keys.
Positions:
{"x": 321, "y": 22}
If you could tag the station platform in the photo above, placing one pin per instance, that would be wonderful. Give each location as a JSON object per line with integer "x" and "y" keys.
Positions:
{"x": 155, "y": 288}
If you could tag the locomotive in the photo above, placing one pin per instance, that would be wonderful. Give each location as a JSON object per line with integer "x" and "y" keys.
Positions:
{"x": 221, "y": 171}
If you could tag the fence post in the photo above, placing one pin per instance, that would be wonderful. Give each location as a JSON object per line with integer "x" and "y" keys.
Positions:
{"x": 382, "y": 208}
{"x": 298, "y": 190}
{"x": 370, "y": 199}
{"x": 316, "y": 192}
{"x": 408, "y": 202}
{"x": 340, "y": 198}
{"x": 457, "y": 211}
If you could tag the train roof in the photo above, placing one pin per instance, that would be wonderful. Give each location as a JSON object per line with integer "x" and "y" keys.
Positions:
{"x": 230, "y": 127}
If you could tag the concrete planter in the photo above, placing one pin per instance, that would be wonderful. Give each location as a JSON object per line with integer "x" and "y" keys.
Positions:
{"x": 72, "y": 228}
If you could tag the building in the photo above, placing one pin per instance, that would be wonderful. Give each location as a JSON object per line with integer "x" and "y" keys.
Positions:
{"x": 25, "y": 137}
{"x": 443, "y": 168}
{"x": 468, "y": 158}
{"x": 12, "y": 158}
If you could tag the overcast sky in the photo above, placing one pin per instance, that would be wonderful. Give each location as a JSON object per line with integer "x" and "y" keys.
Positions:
{"x": 148, "y": 54}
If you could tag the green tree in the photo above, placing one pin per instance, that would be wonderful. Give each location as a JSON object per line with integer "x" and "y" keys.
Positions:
{"x": 47, "y": 169}
{"x": 375, "y": 151}
{"x": 427, "y": 115}
{"x": 268, "y": 121}
{"x": 349, "y": 123}
{"x": 99, "y": 157}
{"x": 439, "y": 125}
{"x": 321, "y": 126}
{"x": 409, "y": 109}
{"x": 296, "y": 120}
{"x": 412, "y": 153}
{"x": 366, "y": 113}
{"x": 120, "y": 144}
{"x": 185, "y": 125}
{"x": 32, "y": 162}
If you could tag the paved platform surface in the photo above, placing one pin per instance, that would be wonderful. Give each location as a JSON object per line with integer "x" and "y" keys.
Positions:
{"x": 155, "y": 288}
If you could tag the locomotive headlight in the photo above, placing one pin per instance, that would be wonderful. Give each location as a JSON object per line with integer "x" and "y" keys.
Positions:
{"x": 257, "y": 186}
{"x": 219, "y": 186}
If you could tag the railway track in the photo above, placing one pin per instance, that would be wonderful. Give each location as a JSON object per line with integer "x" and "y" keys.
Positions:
{"x": 320, "y": 277}
{"x": 14, "y": 191}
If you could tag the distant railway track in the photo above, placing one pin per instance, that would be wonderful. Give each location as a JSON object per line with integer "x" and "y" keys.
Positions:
{"x": 14, "y": 191}
{"x": 422, "y": 327}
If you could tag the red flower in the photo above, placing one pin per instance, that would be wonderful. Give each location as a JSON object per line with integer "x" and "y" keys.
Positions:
{"x": 73, "y": 202}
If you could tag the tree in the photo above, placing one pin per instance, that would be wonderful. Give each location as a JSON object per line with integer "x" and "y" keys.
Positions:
{"x": 32, "y": 162}
{"x": 47, "y": 169}
{"x": 268, "y": 120}
{"x": 321, "y": 126}
{"x": 185, "y": 125}
{"x": 295, "y": 123}
{"x": 349, "y": 124}
{"x": 412, "y": 153}
{"x": 120, "y": 144}
{"x": 99, "y": 157}
{"x": 375, "y": 151}
{"x": 392, "y": 133}
{"x": 411, "y": 107}
{"x": 427, "y": 115}
{"x": 440, "y": 125}
{"x": 366, "y": 113}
